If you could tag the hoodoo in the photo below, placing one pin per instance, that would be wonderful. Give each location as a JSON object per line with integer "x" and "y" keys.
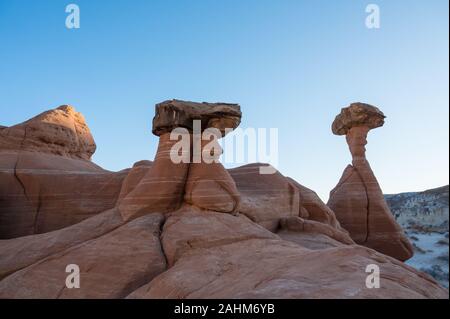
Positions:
{"x": 357, "y": 200}
{"x": 167, "y": 184}
{"x": 191, "y": 229}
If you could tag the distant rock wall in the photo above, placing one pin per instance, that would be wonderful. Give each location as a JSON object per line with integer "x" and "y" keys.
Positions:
{"x": 427, "y": 209}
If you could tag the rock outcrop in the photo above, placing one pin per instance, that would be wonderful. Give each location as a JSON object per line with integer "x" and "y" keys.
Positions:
{"x": 357, "y": 200}
{"x": 111, "y": 266}
{"x": 424, "y": 216}
{"x": 202, "y": 183}
{"x": 47, "y": 181}
{"x": 187, "y": 229}
{"x": 61, "y": 131}
{"x": 223, "y": 256}
{"x": 172, "y": 114}
{"x": 424, "y": 211}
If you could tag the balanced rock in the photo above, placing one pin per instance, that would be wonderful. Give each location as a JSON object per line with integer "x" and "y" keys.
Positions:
{"x": 168, "y": 183}
{"x": 192, "y": 229}
{"x": 172, "y": 114}
{"x": 357, "y": 200}
{"x": 357, "y": 114}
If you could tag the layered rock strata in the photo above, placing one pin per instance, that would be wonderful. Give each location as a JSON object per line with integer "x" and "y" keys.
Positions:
{"x": 47, "y": 180}
{"x": 170, "y": 230}
{"x": 357, "y": 200}
{"x": 169, "y": 183}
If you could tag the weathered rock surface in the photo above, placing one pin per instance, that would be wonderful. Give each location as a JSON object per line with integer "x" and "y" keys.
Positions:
{"x": 424, "y": 216}
{"x": 267, "y": 198}
{"x": 189, "y": 230}
{"x": 357, "y": 200}
{"x": 357, "y": 114}
{"x": 61, "y": 131}
{"x": 47, "y": 181}
{"x": 175, "y": 113}
{"x": 21, "y": 252}
{"x": 162, "y": 187}
{"x": 42, "y": 192}
{"x": 185, "y": 230}
{"x": 300, "y": 225}
{"x": 205, "y": 184}
{"x": 111, "y": 266}
{"x": 242, "y": 263}
{"x": 210, "y": 186}
{"x": 424, "y": 211}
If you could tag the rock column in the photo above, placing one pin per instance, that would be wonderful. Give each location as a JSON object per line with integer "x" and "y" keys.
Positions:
{"x": 168, "y": 183}
{"x": 358, "y": 200}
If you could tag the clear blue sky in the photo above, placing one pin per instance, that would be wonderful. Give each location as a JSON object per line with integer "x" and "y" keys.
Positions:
{"x": 291, "y": 64}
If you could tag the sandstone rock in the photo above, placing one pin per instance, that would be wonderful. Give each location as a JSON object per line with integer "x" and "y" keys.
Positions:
{"x": 313, "y": 208}
{"x": 46, "y": 179}
{"x": 210, "y": 186}
{"x": 143, "y": 163}
{"x": 186, "y": 229}
{"x": 427, "y": 210}
{"x": 265, "y": 198}
{"x": 42, "y": 192}
{"x": 21, "y": 252}
{"x": 61, "y": 131}
{"x": 310, "y": 240}
{"x": 111, "y": 266}
{"x": 297, "y": 224}
{"x": 357, "y": 200}
{"x": 168, "y": 183}
{"x": 133, "y": 178}
{"x": 357, "y": 114}
{"x": 223, "y": 267}
{"x": 161, "y": 189}
{"x": 175, "y": 113}
{"x": 110, "y": 224}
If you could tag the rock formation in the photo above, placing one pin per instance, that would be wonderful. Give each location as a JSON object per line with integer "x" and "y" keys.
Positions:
{"x": 357, "y": 200}
{"x": 424, "y": 216}
{"x": 178, "y": 230}
{"x": 62, "y": 131}
{"x": 167, "y": 184}
{"x": 47, "y": 181}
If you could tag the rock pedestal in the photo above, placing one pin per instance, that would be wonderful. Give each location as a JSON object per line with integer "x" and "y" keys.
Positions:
{"x": 205, "y": 184}
{"x": 210, "y": 186}
{"x": 357, "y": 200}
{"x": 161, "y": 189}
{"x": 165, "y": 229}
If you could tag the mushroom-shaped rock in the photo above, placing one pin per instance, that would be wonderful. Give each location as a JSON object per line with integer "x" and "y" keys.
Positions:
{"x": 358, "y": 200}
{"x": 167, "y": 182}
